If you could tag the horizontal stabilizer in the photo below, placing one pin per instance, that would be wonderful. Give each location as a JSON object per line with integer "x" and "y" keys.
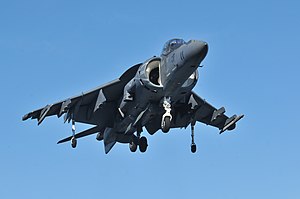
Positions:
{"x": 81, "y": 134}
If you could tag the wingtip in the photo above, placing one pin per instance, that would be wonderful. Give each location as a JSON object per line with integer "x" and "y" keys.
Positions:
{"x": 231, "y": 123}
{"x": 25, "y": 117}
{"x": 59, "y": 142}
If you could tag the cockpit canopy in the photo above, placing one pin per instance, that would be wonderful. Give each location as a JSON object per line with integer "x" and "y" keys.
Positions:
{"x": 172, "y": 45}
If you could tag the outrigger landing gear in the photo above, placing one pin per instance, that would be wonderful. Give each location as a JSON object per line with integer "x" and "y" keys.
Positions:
{"x": 167, "y": 117}
{"x": 73, "y": 140}
{"x": 193, "y": 145}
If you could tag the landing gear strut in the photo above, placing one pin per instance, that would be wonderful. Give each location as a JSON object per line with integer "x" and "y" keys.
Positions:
{"x": 73, "y": 140}
{"x": 167, "y": 117}
{"x": 193, "y": 145}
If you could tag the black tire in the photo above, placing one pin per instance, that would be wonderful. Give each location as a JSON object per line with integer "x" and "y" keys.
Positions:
{"x": 73, "y": 143}
{"x": 165, "y": 127}
{"x": 143, "y": 144}
{"x": 193, "y": 148}
{"x": 132, "y": 147}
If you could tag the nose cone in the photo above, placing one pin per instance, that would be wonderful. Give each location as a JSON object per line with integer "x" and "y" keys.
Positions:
{"x": 196, "y": 51}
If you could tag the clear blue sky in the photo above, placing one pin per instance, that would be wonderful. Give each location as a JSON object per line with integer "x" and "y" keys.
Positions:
{"x": 50, "y": 50}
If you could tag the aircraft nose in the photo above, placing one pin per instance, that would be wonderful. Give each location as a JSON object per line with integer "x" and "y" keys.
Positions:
{"x": 197, "y": 50}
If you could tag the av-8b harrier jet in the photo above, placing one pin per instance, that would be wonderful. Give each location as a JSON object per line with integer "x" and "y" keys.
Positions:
{"x": 156, "y": 94}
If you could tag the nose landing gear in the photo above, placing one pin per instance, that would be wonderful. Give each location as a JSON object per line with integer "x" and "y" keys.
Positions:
{"x": 166, "y": 124}
{"x": 167, "y": 117}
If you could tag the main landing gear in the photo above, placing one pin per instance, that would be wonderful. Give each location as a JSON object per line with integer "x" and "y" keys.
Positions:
{"x": 143, "y": 144}
{"x": 167, "y": 117}
{"x": 133, "y": 146}
{"x": 140, "y": 142}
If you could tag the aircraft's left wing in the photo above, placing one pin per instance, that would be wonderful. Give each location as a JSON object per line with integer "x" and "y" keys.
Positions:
{"x": 208, "y": 114}
{"x": 84, "y": 108}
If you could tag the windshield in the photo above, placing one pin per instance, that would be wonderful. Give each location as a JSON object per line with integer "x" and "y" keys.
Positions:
{"x": 172, "y": 45}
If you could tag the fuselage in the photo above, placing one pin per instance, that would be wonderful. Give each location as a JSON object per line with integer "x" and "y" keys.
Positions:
{"x": 156, "y": 94}
{"x": 178, "y": 65}
{"x": 170, "y": 76}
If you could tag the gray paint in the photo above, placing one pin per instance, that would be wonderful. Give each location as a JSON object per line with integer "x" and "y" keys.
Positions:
{"x": 144, "y": 96}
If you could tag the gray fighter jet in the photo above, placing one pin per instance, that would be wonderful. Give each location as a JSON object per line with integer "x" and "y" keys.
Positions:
{"x": 156, "y": 94}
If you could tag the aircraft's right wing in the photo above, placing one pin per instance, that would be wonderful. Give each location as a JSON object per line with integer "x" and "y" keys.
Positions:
{"x": 80, "y": 108}
{"x": 85, "y": 108}
{"x": 208, "y": 114}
